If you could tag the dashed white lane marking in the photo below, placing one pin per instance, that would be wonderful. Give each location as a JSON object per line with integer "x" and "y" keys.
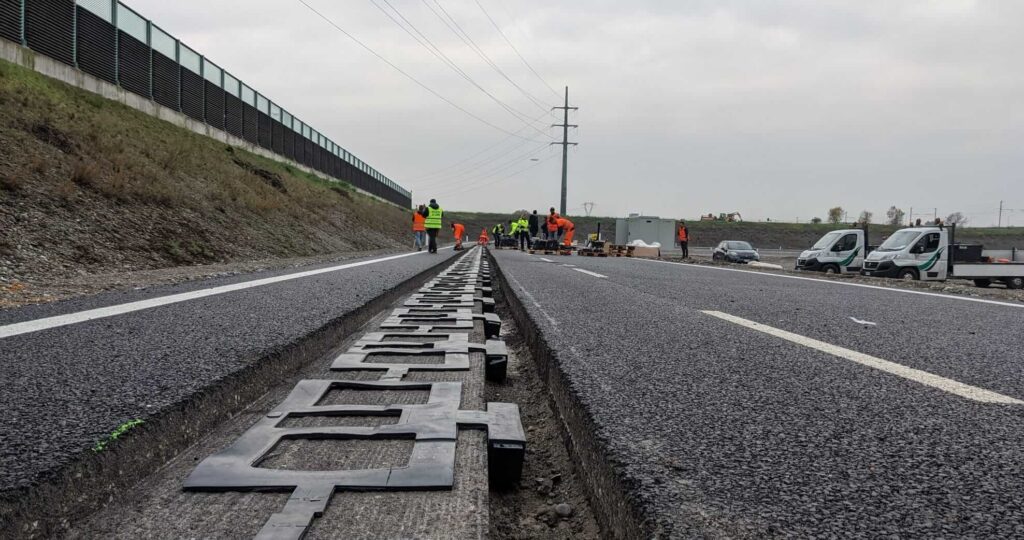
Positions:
{"x": 858, "y": 321}
{"x": 569, "y": 265}
{"x": 546, "y": 260}
{"x": 120, "y": 309}
{"x": 831, "y": 282}
{"x": 589, "y": 273}
{"x": 923, "y": 377}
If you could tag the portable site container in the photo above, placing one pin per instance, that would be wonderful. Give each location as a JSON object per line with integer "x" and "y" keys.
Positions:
{"x": 650, "y": 229}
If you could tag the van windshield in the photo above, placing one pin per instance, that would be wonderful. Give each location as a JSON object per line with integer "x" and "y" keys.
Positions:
{"x": 827, "y": 240}
{"x": 898, "y": 241}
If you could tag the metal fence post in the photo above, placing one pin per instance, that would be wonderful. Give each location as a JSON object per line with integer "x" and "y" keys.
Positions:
{"x": 224, "y": 106}
{"x": 74, "y": 32}
{"x": 117, "y": 43}
{"x": 21, "y": 23}
{"x": 177, "y": 60}
{"x": 149, "y": 43}
{"x": 202, "y": 76}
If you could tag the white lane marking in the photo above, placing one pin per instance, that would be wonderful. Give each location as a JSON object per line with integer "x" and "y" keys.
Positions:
{"x": 858, "y": 321}
{"x": 532, "y": 300}
{"x": 120, "y": 309}
{"x": 916, "y": 375}
{"x": 589, "y": 273}
{"x": 569, "y": 265}
{"x": 831, "y": 282}
{"x": 546, "y": 260}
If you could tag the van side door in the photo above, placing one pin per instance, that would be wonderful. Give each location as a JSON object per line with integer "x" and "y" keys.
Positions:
{"x": 846, "y": 249}
{"x": 927, "y": 253}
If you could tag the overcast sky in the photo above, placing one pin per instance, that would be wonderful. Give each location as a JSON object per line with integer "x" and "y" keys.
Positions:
{"x": 776, "y": 109}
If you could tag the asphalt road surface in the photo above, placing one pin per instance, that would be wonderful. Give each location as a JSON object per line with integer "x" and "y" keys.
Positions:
{"x": 74, "y": 371}
{"x": 742, "y": 404}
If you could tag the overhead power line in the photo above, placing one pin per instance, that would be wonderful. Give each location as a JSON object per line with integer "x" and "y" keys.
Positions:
{"x": 460, "y": 174}
{"x": 407, "y": 75}
{"x": 448, "y": 168}
{"x": 464, "y": 36}
{"x": 514, "y": 49}
{"x": 433, "y": 49}
{"x": 492, "y": 182}
{"x": 471, "y": 164}
{"x": 466, "y": 182}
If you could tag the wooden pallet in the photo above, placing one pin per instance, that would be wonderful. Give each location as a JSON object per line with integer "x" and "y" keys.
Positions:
{"x": 621, "y": 251}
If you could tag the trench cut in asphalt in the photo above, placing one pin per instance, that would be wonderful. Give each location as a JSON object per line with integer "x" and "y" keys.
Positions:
{"x": 435, "y": 322}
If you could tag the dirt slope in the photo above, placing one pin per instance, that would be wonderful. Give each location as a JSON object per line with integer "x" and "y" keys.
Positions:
{"x": 89, "y": 186}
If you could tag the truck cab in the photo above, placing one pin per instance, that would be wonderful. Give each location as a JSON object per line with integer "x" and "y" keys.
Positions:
{"x": 838, "y": 252}
{"x": 917, "y": 253}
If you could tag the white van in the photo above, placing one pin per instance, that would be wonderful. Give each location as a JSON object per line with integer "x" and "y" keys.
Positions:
{"x": 929, "y": 254}
{"x": 838, "y": 252}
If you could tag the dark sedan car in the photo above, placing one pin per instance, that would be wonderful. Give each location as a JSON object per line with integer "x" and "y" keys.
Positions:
{"x": 735, "y": 251}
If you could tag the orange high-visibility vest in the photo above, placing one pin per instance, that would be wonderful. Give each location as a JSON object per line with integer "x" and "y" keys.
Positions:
{"x": 564, "y": 224}
{"x": 553, "y": 222}
{"x": 419, "y": 223}
{"x": 682, "y": 234}
{"x": 459, "y": 230}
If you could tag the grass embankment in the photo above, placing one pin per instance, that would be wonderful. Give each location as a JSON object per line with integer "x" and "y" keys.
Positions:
{"x": 88, "y": 185}
{"x": 762, "y": 235}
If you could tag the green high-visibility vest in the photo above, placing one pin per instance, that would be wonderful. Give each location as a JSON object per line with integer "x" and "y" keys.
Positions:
{"x": 524, "y": 225}
{"x": 433, "y": 220}
{"x": 515, "y": 227}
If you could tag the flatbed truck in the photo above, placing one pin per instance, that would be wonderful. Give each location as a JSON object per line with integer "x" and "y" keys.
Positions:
{"x": 932, "y": 254}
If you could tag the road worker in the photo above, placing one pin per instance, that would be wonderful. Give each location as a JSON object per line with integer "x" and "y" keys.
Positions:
{"x": 534, "y": 224}
{"x": 432, "y": 223}
{"x": 483, "y": 240}
{"x": 568, "y": 230}
{"x": 683, "y": 236}
{"x": 458, "y": 230}
{"x": 497, "y": 231}
{"x": 553, "y": 224}
{"x": 419, "y": 230}
{"x": 524, "y": 233}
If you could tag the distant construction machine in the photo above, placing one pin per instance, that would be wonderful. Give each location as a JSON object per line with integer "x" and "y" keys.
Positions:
{"x": 734, "y": 217}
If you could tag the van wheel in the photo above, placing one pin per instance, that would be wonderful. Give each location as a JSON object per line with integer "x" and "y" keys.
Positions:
{"x": 830, "y": 269}
{"x": 908, "y": 274}
{"x": 1014, "y": 283}
{"x": 983, "y": 283}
